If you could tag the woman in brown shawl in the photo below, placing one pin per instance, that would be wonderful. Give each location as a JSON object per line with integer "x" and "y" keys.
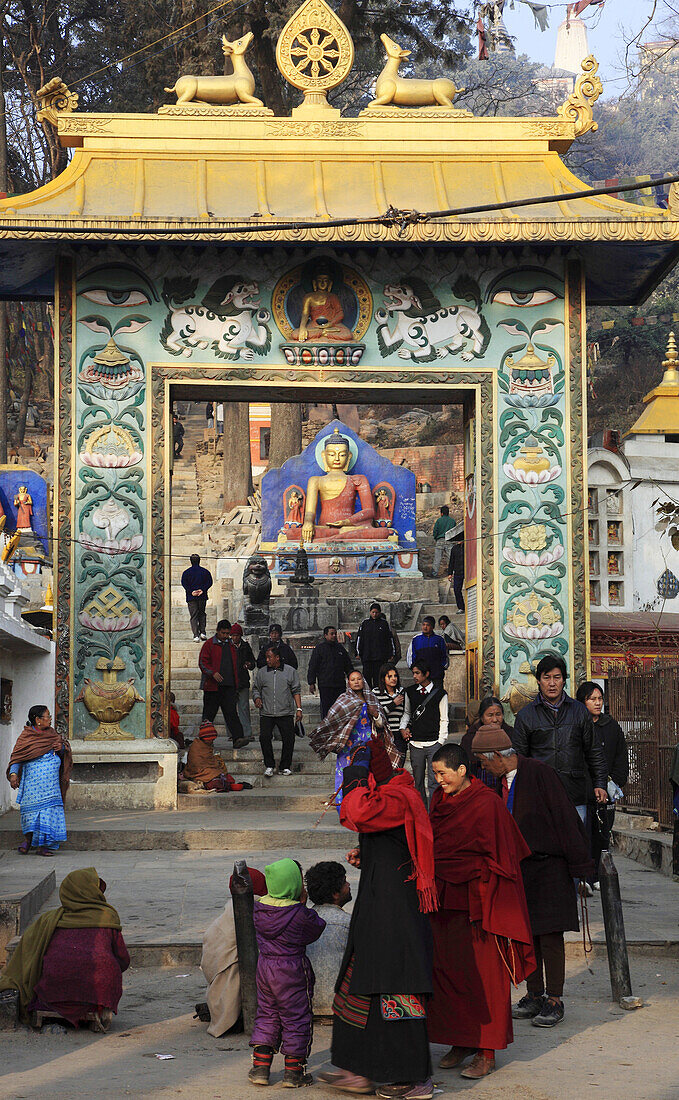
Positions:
{"x": 70, "y": 961}
{"x": 40, "y": 769}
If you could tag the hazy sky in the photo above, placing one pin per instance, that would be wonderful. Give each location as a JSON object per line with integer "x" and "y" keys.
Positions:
{"x": 607, "y": 29}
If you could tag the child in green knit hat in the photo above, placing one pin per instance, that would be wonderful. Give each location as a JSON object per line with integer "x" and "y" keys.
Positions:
{"x": 285, "y": 977}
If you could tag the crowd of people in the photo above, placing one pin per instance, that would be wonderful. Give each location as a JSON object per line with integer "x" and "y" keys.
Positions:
{"x": 232, "y": 679}
{"x": 466, "y": 888}
{"x": 456, "y": 904}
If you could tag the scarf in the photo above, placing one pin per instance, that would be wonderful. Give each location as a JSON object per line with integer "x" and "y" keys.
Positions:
{"x": 333, "y": 732}
{"x": 83, "y": 905}
{"x": 33, "y": 743}
{"x": 376, "y": 808}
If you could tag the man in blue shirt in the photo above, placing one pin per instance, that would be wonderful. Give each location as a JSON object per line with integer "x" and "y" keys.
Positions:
{"x": 196, "y": 582}
{"x": 431, "y": 648}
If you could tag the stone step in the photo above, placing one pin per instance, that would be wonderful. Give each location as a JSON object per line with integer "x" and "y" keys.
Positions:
{"x": 220, "y": 827}
{"x": 23, "y": 892}
{"x": 260, "y": 800}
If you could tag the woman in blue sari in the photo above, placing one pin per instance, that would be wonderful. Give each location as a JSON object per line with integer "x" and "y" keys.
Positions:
{"x": 39, "y": 770}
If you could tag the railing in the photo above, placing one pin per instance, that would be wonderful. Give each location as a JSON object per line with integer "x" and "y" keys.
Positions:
{"x": 646, "y": 704}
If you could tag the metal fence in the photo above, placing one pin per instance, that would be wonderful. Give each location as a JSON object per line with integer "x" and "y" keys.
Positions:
{"x": 646, "y": 704}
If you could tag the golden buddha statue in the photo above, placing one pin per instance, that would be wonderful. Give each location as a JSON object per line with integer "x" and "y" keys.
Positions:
{"x": 337, "y": 490}
{"x": 322, "y": 314}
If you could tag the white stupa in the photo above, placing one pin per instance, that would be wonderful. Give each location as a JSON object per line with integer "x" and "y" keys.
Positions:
{"x": 571, "y": 45}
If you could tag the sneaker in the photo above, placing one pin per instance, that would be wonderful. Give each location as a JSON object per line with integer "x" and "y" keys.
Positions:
{"x": 528, "y": 1007}
{"x": 424, "y": 1090}
{"x": 268, "y": 772}
{"x": 345, "y": 1081}
{"x": 286, "y": 771}
{"x": 589, "y": 892}
{"x": 203, "y": 637}
{"x": 552, "y": 1013}
{"x": 196, "y": 637}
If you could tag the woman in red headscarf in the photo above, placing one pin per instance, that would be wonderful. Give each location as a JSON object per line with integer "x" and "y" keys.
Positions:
{"x": 482, "y": 937}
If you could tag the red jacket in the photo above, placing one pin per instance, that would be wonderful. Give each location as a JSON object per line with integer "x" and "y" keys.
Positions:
{"x": 210, "y": 661}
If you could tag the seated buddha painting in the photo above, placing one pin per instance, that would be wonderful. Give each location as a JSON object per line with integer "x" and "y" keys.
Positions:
{"x": 322, "y": 302}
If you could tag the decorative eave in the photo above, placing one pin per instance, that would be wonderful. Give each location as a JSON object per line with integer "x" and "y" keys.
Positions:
{"x": 236, "y": 174}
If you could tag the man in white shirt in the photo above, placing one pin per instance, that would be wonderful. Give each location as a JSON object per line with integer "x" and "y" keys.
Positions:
{"x": 424, "y": 725}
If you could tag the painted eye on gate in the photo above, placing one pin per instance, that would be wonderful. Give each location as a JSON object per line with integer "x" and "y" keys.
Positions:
{"x": 523, "y": 298}
{"x": 122, "y": 299}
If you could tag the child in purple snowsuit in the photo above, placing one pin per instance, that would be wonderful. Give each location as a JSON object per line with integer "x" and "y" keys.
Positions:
{"x": 285, "y": 977}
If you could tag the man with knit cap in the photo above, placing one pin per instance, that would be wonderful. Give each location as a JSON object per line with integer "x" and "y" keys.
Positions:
{"x": 379, "y": 1031}
{"x": 552, "y": 829}
{"x": 204, "y": 766}
{"x": 285, "y": 977}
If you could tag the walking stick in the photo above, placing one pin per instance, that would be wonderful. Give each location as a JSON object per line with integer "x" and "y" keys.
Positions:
{"x": 616, "y": 942}
{"x": 246, "y": 941}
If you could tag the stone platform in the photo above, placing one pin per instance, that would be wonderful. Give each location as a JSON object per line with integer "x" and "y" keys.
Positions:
{"x": 135, "y": 775}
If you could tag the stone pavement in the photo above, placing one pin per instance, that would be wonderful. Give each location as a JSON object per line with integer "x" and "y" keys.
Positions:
{"x": 598, "y": 1050}
{"x": 166, "y": 898}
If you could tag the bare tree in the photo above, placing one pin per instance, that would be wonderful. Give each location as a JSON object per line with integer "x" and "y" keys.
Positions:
{"x": 286, "y": 433}
{"x": 237, "y": 465}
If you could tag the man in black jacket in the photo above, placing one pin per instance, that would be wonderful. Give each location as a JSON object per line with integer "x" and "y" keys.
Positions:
{"x": 374, "y": 644}
{"x": 276, "y": 640}
{"x": 558, "y": 730}
{"x": 330, "y": 665}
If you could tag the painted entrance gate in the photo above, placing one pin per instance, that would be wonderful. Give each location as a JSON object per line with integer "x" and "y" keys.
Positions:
{"x": 503, "y": 336}
{"x": 388, "y": 256}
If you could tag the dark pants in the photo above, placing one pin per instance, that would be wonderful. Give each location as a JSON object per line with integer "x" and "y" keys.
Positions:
{"x": 551, "y": 958}
{"x": 420, "y": 762}
{"x": 329, "y": 693}
{"x": 458, "y": 581}
{"x": 197, "y": 614}
{"x": 226, "y": 700}
{"x": 371, "y": 672}
{"x": 286, "y": 726}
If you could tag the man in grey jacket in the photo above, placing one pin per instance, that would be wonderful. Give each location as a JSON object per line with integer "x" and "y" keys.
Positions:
{"x": 277, "y": 696}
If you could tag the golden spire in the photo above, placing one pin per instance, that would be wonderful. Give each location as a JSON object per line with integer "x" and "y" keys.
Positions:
{"x": 671, "y": 375}
{"x": 661, "y": 414}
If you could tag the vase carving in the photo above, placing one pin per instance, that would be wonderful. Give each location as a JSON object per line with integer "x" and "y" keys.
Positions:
{"x": 109, "y": 702}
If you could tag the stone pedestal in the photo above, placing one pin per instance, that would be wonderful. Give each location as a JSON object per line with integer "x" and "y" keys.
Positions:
{"x": 123, "y": 775}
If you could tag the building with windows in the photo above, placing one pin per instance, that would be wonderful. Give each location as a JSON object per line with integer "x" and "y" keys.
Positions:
{"x": 633, "y": 567}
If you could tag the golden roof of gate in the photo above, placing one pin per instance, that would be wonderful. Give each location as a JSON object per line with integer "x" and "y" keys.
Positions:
{"x": 231, "y": 170}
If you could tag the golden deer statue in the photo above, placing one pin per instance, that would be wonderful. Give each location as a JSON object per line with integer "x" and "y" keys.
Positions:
{"x": 236, "y": 87}
{"x": 406, "y": 92}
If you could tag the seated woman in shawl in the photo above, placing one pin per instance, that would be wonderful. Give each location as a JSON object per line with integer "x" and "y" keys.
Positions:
{"x": 482, "y": 936}
{"x": 347, "y": 730}
{"x": 70, "y": 961}
{"x": 39, "y": 769}
{"x": 219, "y": 963}
{"x": 379, "y": 1033}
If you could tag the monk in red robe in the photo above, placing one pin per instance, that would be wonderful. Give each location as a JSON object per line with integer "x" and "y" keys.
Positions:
{"x": 482, "y": 936}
